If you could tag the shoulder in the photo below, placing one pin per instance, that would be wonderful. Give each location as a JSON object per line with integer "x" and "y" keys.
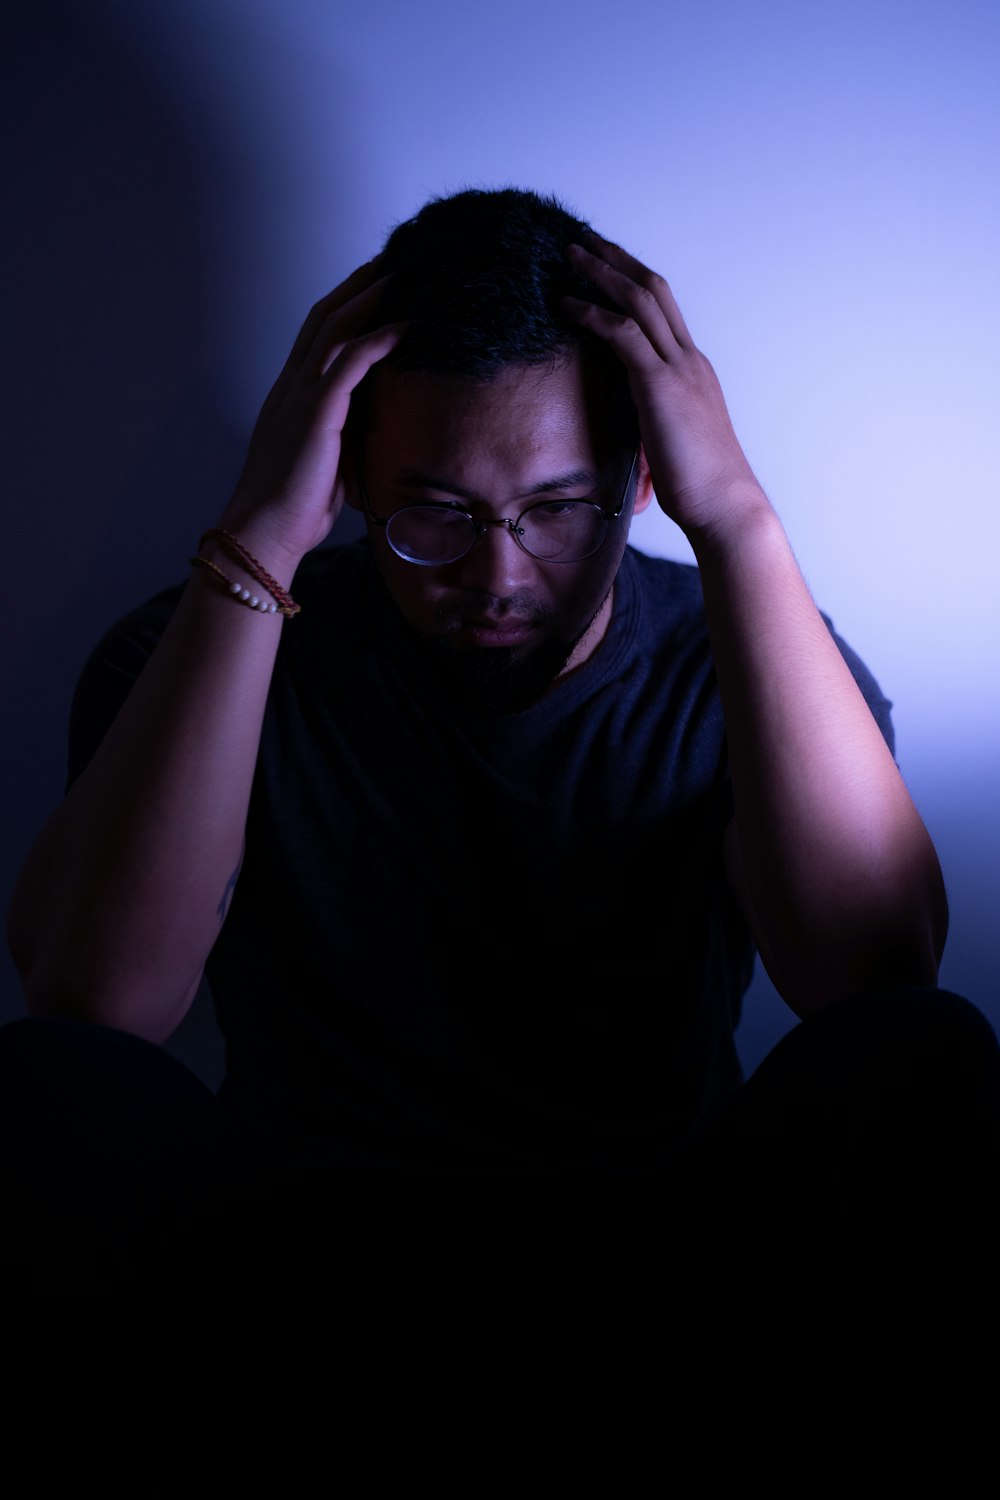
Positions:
{"x": 324, "y": 578}
{"x": 670, "y": 609}
{"x": 110, "y": 671}
{"x": 125, "y": 647}
{"x": 663, "y": 604}
{"x": 329, "y": 585}
{"x": 670, "y": 589}
{"x": 879, "y": 704}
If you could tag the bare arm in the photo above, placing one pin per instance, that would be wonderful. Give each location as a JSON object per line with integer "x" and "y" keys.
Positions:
{"x": 828, "y": 855}
{"x": 834, "y": 867}
{"x": 122, "y": 897}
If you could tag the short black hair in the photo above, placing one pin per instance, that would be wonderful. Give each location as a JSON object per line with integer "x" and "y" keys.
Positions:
{"x": 478, "y": 276}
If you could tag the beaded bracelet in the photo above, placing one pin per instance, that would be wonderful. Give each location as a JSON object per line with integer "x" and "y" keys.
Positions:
{"x": 239, "y": 593}
{"x": 286, "y": 604}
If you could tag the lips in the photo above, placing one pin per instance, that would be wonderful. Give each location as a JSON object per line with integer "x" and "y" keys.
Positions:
{"x": 484, "y": 631}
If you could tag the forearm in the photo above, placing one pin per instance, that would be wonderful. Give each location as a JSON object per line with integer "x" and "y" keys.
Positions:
{"x": 122, "y": 897}
{"x": 842, "y": 879}
{"x": 121, "y": 900}
{"x": 831, "y": 859}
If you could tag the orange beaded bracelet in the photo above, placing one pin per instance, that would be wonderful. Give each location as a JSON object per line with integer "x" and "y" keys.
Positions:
{"x": 284, "y": 603}
{"x": 240, "y": 594}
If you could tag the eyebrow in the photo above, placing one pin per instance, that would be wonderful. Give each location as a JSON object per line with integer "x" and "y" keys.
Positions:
{"x": 418, "y": 479}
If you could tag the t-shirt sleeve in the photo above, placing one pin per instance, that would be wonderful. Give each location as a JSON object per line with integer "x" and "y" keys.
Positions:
{"x": 880, "y": 705}
{"x": 108, "y": 675}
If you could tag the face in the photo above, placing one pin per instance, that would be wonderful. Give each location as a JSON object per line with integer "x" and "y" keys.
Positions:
{"x": 500, "y": 623}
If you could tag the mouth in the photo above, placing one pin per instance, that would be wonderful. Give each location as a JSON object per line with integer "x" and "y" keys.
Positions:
{"x": 497, "y": 632}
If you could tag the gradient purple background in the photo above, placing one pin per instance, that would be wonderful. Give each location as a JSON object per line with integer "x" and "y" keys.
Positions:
{"x": 820, "y": 184}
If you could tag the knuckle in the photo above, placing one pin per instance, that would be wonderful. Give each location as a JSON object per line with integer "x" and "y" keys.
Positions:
{"x": 646, "y": 297}
{"x": 630, "y": 328}
{"x": 620, "y": 324}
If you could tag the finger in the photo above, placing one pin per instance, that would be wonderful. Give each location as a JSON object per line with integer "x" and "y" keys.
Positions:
{"x": 637, "y": 304}
{"x": 359, "y": 279}
{"x": 347, "y": 321}
{"x": 351, "y": 362}
{"x": 311, "y": 352}
{"x": 609, "y": 266}
{"x": 616, "y": 256}
{"x": 628, "y": 340}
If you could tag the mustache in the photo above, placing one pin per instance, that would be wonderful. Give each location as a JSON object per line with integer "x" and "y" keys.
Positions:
{"x": 524, "y": 609}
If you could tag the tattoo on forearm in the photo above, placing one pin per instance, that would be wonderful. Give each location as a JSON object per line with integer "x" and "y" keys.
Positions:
{"x": 223, "y": 905}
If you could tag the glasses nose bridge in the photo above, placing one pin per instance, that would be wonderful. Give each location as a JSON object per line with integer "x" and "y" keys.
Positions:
{"x": 515, "y": 530}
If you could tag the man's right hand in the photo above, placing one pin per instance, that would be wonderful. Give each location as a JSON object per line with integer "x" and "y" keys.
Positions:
{"x": 121, "y": 897}
{"x": 291, "y": 489}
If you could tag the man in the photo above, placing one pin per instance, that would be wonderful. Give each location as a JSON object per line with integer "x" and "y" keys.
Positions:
{"x": 476, "y": 824}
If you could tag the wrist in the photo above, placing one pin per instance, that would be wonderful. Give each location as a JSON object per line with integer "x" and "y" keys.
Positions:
{"x": 739, "y": 518}
{"x": 258, "y": 538}
{"x": 222, "y": 554}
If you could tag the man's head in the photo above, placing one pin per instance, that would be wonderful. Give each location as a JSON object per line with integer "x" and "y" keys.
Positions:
{"x": 495, "y": 400}
{"x": 479, "y": 278}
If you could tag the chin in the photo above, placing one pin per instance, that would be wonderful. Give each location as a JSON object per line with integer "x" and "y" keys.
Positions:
{"x": 498, "y": 679}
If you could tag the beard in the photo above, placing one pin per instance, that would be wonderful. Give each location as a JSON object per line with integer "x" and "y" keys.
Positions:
{"x": 497, "y": 679}
{"x": 487, "y": 679}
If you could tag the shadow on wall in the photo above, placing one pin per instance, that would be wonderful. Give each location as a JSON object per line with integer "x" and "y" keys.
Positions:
{"x": 107, "y": 327}
{"x": 106, "y": 366}
{"x": 122, "y": 214}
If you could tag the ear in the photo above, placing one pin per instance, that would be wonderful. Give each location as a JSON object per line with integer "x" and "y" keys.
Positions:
{"x": 643, "y": 485}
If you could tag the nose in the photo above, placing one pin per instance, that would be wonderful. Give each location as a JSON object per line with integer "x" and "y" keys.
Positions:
{"x": 497, "y": 565}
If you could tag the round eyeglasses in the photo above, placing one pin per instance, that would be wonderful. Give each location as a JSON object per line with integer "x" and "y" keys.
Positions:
{"x": 554, "y": 531}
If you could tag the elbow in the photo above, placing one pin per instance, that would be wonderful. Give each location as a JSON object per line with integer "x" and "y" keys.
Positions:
{"x": 62, "y": 991}
{"x": 884, "y": 935}
{"x": 912, "y": 963}
{"x": 818, "y": 974}
{"x": 69, "y": 975}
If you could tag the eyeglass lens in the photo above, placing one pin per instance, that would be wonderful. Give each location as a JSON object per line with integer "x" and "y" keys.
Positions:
{"x": 557, "y": 531}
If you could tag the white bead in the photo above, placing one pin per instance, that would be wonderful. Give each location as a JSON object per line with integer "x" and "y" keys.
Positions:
{"x": 244, "y": 593}
{"x": 234, "y": 588}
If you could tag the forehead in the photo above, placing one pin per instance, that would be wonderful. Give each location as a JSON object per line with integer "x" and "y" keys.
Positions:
{"x": 520, "y": 422}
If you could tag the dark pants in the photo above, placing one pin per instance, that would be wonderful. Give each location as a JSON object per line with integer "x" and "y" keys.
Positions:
{"x": 876, "y": 1108}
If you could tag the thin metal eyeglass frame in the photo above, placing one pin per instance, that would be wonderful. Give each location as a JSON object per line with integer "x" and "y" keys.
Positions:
{"x": 480, "y": 526}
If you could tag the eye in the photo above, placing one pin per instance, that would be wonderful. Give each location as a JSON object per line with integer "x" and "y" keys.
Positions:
{"x": 550, "y": 511}
{"x": 449, "y": 514}
{"x": 437, "y": 515}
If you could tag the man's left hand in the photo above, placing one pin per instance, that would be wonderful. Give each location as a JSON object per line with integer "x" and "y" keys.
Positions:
{"x": 700, "y": 473}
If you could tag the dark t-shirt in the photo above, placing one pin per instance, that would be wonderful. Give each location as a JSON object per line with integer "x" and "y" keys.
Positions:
{"x": 464, "y": 939}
